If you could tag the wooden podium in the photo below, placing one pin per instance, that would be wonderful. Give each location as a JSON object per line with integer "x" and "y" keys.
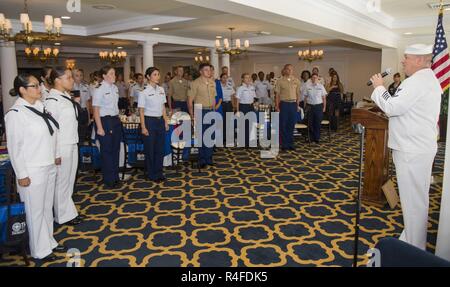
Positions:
{"x": 376, "y": 163}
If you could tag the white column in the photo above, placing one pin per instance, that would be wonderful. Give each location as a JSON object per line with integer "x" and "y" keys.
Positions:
{"x": 214, "y": 59}
{"x": 147, "y": 51}
{"x": 126, "y": 69}
{"x": 443, "y": 236}
{"x": 8, "y": 62}
{"x": 138, "y": 64}
{"x": 226, "y": 62}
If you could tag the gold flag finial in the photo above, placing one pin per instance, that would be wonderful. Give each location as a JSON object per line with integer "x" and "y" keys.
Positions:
{"x": 441, "y": 8}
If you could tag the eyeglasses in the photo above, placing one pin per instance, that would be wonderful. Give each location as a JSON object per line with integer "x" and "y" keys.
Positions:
{"x": 32, "y": 86}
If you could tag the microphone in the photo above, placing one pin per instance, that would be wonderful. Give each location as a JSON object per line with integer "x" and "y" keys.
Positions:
{"x": 384, "y": 74}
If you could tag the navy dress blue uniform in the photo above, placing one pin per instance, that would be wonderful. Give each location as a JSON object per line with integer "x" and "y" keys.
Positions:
{"x": 287, "y": 90}
{"x": 152, "y": 100}
{"x": 106, "y": 98}
{"x": 314, "y": 95}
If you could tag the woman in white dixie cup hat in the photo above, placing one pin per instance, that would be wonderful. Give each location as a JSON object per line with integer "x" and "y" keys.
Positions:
{"x": 413, "y": 113}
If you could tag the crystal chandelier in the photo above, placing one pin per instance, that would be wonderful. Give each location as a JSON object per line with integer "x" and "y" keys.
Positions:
{"x": 113, "y": 56}
{"x": 310, "y": 55}
{"x": 27, "y": 36}
{"x": 231, "y": 47}
{"x": 199, "y": 58}
{"x": 41, "y": 54}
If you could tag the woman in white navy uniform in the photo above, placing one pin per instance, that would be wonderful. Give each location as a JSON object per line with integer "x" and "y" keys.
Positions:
{"x": 60, "y": 105}
{"x": 245, "y": 96}
{"x": 31, "y": 140}
{"x": 105, "y": 102}
{"x": 45, "y": 87}
{"x": 154, "y": 124}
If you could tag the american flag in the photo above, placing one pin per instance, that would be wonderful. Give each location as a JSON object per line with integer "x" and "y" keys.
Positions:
{"x": 441, "y": 60}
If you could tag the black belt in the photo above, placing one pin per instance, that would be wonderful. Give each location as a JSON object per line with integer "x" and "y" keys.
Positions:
{"x": 109, "y": 117}
{"x": 314, "y": 105}
{"x": 47, "y": 118}
{"x": 154, "y": 118}
{"x": 290, "y": 101}
{"x": 246, "y": 104}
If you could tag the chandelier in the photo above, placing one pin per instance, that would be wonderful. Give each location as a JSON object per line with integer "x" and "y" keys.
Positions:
{"x": 199, "y": 58}
{"x": 231, "y": 47}
{"x": 310, "y": 55}
{"x": 41, "y": 54}
{"x": 113, "y": 56}
{"x": 27, "y": 36}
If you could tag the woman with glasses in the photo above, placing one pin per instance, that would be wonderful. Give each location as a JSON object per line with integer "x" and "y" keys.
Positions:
{"x": 65, "y": 111}
{"x": 31, "y": 140}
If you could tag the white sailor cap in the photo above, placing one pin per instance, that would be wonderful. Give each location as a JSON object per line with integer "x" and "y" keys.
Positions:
{"x": 419, "y": 49}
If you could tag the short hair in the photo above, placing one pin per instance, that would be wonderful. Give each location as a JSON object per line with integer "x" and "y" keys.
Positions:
{"x": 105, "y": 70}
{"x": 150, "y": 71}
{"x": 137, "y": 75}
{"x": 244, "y": 74}
{"x": 223, "y": 74}
{"x": 397, "y": 75}
{"x": 314, "y": 74}
{"x": 203, "y": 65}
{"x": 260, "y": 72}
{"x": 306, "y": 72}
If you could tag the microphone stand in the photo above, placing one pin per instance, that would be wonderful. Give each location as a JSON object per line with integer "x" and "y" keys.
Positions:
{"x": 360, "y": 129}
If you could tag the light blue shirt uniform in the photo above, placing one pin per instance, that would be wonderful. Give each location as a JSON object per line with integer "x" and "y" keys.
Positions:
{"x": 152, "y": 99}
{"x": 106, "y": 97}
{"x": 246, "y": 94}
{"x": 313, "y": 93}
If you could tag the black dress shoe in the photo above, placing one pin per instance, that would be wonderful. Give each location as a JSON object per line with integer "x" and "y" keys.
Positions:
{"x": 60, "y": 248}
{"x": 49, "y": 258}
{"x": 74, "y": 221}
{"x": 161, "y": 179}
{"x": 203, "y": 165}
{"x": 81, "y": 217}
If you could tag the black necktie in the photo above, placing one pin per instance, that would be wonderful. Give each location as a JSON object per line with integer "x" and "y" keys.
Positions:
{"x": 74, "y": 105}
{"x": 47, "y": 118}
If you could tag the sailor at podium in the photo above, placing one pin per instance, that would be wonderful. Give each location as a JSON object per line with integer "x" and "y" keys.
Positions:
{"x": 413, "y": 113}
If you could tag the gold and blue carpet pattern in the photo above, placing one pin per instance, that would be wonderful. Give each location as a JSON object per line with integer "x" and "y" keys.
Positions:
{"x": 297, "y": 210}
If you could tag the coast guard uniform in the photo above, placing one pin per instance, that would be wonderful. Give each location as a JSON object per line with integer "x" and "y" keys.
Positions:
{"x": 246, "y": 96}
{"x": 314, "y": 94}
{"x": 263, "y": 89}
{"x": 31, "y": 139}
{"x": 65, "y": 112}
{"x": 152, "y": 100}
{"x": 106, "y": 98}
{"x": 413, "y": 131}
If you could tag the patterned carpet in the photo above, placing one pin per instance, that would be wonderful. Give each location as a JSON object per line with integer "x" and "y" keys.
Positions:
{"x": 297, "y": 210}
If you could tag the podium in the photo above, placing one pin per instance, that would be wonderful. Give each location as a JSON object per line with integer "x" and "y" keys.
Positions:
{"x": 376, "y": 162}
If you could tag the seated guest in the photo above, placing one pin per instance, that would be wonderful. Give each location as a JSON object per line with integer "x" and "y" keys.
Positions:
{"x": 154, "y": 124}
{"x": 32, "y": 146}
{"x": 315, "y": 96}
{"x": 335, "y": 89}
{"x": 245, "y": 96}
{"x": 394, "y": 86}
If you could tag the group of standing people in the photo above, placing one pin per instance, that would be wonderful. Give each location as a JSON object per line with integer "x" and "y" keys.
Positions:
{"x": 42, "y": 138}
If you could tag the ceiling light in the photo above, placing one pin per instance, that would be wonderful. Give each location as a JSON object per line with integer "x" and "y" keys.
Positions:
{"x": 103, "y": 7}
{"x": 408, "y": 33}
{"x": 155, "y": 28}
{"x": 291, "y": 46}
{"x": 120, "y": 47}
{"x": 65, "y": 17}
{"x": 57, "y": 44}
{"x": 218, "y": 37}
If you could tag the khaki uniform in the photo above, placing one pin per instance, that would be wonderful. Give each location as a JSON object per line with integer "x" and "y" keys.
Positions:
{"x": 287, "y": 89}
{"x": 203, "y": 93}
{"x": 178, "y": 89}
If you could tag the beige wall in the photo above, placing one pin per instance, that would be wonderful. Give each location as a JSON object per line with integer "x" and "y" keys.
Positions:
{"x": 354, "y": 67}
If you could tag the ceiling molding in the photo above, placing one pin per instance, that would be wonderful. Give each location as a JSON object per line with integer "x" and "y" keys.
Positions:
{"x": 158, "y": 38}
{"x": 39, "y": 27}
{"x": 134, "y": 23}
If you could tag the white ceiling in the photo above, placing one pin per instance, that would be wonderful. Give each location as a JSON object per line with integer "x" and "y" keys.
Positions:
{"x": 408, "y": 8}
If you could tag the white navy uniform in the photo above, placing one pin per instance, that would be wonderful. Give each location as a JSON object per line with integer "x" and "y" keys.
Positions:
{"x": 246, "y": 94}
{"x": 413, "y": 131}
{"x": 106, "y": 97}
{"x": 64, "y": 111}
{"x": 152, "y": 99}
{"x": 32, "y": 151}
{"x": 262, "y": 91}
{"x": 85, "y": 93}
{"x": 44, "y": 91}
